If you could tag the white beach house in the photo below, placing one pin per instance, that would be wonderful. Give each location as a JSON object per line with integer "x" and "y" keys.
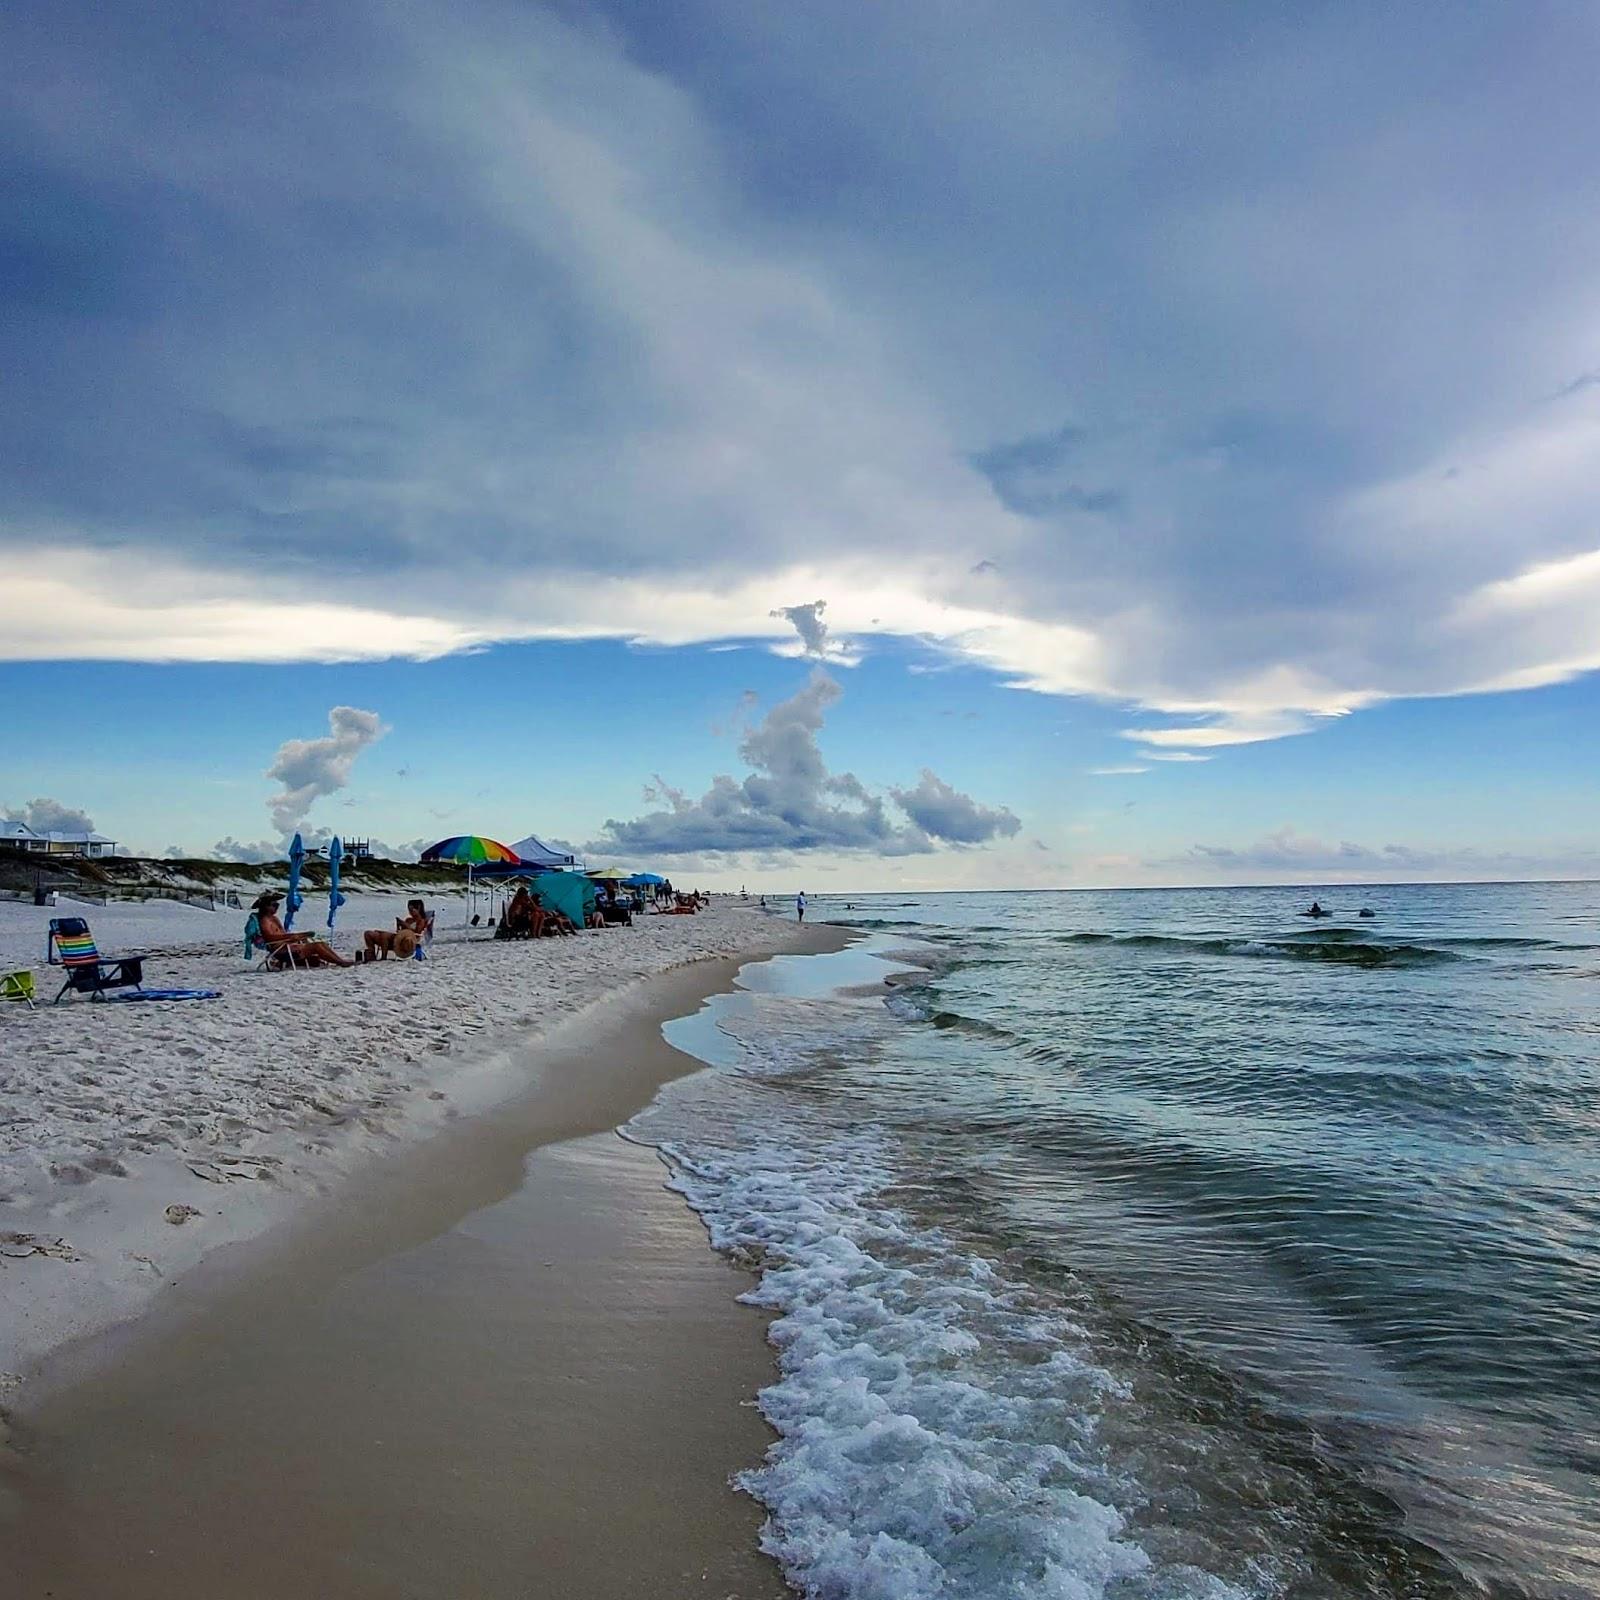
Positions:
{"x": 19, "y": 836}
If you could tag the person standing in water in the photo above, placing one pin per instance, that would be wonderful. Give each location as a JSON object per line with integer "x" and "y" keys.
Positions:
{"x": 800, "y": 906}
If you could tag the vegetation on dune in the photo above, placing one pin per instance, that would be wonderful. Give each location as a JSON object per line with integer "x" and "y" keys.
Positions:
{"x": 138, "y": 876}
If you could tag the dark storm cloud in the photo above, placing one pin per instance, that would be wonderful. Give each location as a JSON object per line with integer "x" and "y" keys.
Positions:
{"x": 1221, "y": 343}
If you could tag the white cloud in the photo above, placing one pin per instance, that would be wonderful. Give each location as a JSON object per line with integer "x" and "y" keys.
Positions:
{"x": 248, "y": 854}
{"x": 50, "y": 816}
{"x": 791, "y": 802}
{"x": 308, "y": 769}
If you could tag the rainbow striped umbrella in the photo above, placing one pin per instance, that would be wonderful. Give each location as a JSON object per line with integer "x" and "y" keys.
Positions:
{"x": 471, "y": 850}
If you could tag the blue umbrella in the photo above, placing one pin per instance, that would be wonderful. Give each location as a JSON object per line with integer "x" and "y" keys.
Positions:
{"x": 297, "y": 859}
{"x": 335, "y": 899}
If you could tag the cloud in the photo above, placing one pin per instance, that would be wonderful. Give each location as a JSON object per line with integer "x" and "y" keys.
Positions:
{"x": 231, "y": 849}
{"x": 1032, "y": 477}
{"x": 308, "y": 769}
{"x": 1288, "y": 855}
{"x": 677, "y": 371}
{"x": 790, "y": 801}
{"x": 1116, "y": 772}
{"x": 1584, "y": 380}
{"x": 808, "y": 623}
{"x": 815, "y": 639}
{"x": 945, "y": 813}
{"x": 410, "y": 850}
{"x": 1175, "y": 755}
{"x": 50, "y": 816}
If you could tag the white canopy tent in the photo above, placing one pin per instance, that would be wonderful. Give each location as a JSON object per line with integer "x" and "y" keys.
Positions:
{"x": 536, "y": 853}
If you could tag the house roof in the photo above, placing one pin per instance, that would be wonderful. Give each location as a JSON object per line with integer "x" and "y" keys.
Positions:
{"x": 12, "y": 828}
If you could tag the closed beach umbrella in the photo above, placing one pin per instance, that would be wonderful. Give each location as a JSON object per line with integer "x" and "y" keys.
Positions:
{"x": 335, "y": 899}
{"x": 297, "y": 860}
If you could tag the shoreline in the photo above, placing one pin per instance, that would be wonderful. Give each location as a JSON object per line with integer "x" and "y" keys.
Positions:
{"x": 147, "y": 1138}
{"x": 589, "y": 1375}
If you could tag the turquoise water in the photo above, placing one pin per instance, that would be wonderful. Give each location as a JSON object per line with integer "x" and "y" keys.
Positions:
{"x": 1170, "y": 1244}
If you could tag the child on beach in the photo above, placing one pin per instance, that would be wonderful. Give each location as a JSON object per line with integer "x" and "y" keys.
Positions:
{"x": 303, "y": 947}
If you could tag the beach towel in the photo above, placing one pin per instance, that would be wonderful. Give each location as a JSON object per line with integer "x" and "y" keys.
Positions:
{"x": 167, "y": 994}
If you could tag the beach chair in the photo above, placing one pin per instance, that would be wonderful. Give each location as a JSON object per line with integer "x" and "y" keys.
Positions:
{"x": 72, "y": 946}
{"x": 275, "y": 957}
{"x": 426, "y": 941}
{"x": 17, "y": 986}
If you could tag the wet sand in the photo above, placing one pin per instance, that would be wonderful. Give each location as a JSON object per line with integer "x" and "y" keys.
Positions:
{"x": 483, "y": 1372}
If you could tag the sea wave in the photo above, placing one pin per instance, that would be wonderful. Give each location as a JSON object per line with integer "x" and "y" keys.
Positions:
{"x": 1336, "y": 946}
{"x": 937, "y": 1424}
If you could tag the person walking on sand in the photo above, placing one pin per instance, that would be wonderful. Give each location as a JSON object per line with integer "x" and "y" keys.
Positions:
{"x": 800, "y": 906}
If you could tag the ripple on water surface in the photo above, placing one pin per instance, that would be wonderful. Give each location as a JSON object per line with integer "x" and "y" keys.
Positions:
{"x": 1160, "y": 1244}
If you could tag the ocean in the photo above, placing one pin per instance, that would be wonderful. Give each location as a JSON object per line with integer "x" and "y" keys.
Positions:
{"x": 1168, "y": 1244}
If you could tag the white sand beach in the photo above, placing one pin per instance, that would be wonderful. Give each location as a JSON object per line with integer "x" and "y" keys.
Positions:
{"x": 136, "y": 1138}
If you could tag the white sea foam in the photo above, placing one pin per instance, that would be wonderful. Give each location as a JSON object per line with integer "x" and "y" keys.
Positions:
{"x": 937, "y": 1420}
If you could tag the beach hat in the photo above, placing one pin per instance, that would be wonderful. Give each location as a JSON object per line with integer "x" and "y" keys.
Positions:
{"x": 405, "y": 943}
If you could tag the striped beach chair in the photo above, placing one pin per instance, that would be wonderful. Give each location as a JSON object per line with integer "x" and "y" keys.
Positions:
{"x": 71, "y": 945}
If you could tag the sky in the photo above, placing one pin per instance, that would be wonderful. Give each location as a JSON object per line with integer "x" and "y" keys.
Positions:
{"x": 915, "y": 445}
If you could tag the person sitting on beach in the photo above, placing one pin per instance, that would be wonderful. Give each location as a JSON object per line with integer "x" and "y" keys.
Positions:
{"x": 522, "y": 916}
{"x": 304, "y": 948}
{"x": 409, "y": 931}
